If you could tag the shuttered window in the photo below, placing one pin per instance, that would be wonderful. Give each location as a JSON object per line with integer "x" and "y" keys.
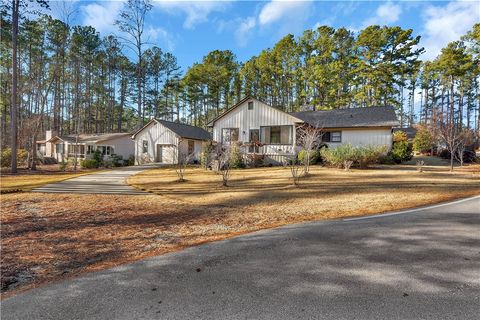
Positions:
{"x": 276, "y": 135}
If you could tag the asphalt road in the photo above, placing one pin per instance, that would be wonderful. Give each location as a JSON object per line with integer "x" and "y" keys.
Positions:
{"x": 422, "y": 264}
{"x": 104, "y": 182}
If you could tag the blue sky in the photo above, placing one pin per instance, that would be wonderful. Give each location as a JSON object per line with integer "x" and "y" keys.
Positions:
{"x": 190, "y": 29}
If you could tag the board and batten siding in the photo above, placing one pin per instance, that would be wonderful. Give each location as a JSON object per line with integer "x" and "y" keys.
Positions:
{"x": 365, "y": 137}
{"x": 155, "y": 133}
{"x": 261, "y": 115}
{"x": 244, "y": 119}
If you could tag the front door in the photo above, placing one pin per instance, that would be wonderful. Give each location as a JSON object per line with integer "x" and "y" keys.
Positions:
{"x": 159, "y": 154}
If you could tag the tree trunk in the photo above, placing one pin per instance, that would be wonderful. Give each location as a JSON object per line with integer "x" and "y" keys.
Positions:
{"x": 13, "y": 107}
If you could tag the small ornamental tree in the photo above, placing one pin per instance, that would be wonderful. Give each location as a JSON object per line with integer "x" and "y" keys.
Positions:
{"x": 423, "y": 140}
{"x": 308, "y": 138}
{"x": 402, "y": 149}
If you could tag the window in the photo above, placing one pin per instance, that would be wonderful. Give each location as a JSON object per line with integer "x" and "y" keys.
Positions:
{"x": 191, "y": 146}
{"x": 334, "y": 136}
{"x": 254, "y": 138}
{"x": 59, "y": 148}
{"x": 90, "y": 149}
{"x": 106, "y": 150}
{"x": 250, "y": 105}
{"x": 276, "y": 135}
{"x": 145, "y": 146}
{"x": 76, "y": 150}
{"x": 229, "y": 135}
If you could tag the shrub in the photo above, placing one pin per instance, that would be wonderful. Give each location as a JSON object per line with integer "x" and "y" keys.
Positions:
{"x": 131, "y": 161}
{"x": 402, "y": 151}
{"x": 256, "y": 160}
{"x": 89, "y": 163}
{"x": 347, "y": 154}
{"x": 423, "y": 140}
{"x": 6, "y": 157}
{"x": 206, "y": 154}
{"x": 468, "y": 155}
{"x": 314, "y": 156}
{"x": 399, "y": 136}
{"x": 98, "y": 157}
{"x": 117, "y": 160}
{"x": 236, "y": 157}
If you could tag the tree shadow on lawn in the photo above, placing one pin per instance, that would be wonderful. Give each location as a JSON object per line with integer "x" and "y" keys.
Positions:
{"x": 405, "y": 268}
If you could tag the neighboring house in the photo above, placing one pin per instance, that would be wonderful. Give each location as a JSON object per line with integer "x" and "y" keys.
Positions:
{"x": 84, "y": 145}
{"x": 251, "y": 120}
{"x": 165, "y": 141}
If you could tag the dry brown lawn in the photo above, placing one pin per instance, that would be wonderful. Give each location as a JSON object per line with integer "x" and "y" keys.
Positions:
{"x": 26, "y": 181}
{"x": 48, "y": 237}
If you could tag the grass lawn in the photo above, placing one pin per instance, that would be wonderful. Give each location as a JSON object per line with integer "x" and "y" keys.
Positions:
{"x": 26, "y": 180}
{"x": 48, "y": 237}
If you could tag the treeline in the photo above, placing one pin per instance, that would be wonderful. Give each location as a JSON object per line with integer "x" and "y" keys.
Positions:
{"x": 72, "y": 80}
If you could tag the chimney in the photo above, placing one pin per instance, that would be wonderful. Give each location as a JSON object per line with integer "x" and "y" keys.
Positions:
{"x": 48, "y": 135}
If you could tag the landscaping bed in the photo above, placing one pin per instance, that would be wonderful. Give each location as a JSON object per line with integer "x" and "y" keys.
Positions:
{"x": 47, "y": 237}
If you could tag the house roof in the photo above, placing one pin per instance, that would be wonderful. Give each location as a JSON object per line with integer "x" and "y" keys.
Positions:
{"x": 92, "y": 138}
{"x": 186, "y": 131}
{"x": 410, "y": 131}
{"x": 352, "y": 117}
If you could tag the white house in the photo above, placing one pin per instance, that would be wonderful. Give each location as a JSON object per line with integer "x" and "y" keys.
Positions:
{"x": 84, "y": 145}
{"x": 163, "y": 141}
{"x": 251, "y": 120}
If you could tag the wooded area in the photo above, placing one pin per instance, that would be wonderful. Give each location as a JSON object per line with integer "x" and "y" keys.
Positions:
{"x": 73, "y": 80}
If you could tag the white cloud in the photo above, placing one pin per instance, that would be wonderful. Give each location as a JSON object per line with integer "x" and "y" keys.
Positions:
{"x": 102, "y": 15}
{"x": 244, "y": 29}
{"x": 444, "y": 24}
{"x": 160, "y": 36}
{"x": 195, "y": 11}
{"x": 385, "y": 14}
{"x": 278, "y": 9}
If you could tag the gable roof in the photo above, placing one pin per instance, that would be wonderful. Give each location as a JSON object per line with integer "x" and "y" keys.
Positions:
{"x": 212, "y": 122}
{"x": 180, "y": 129}
{"x": 186, "y": 131}
{"x": 92, "y": 138}
{"x": 348, "y": 118}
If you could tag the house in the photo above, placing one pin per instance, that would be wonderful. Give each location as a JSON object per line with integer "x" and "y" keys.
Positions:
{"x": 165, "y": 142}
{"x": 84, "y": 145}
{"x": 251, "y": 120}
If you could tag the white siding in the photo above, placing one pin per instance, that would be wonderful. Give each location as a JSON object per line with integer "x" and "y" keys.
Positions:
{"x": 197, "y": 148}
{"x": 261, "y": 115}
{"x": 155, "y": 133}
{"x": 244, "y": 119}
{"x": 364, "y": 137}
{"x": 123, "y": 146}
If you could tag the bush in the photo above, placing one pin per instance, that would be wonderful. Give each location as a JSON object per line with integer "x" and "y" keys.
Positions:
{"x": 314, "y": 156}
{"x": 130, "y": 161}
{"x": 98, "y": 157}
{"x": 359, "y": 156}
{"x": 89, "y": 163}
{"x": 399, "y": 136}
{"x": 256, "y": 160}
{"x": 206, "y": 154}
{"x": 402, "y": 151}
{"x": 423, "y": 141}
{"x": 6, "y": 157}
{"x": 117, "y": 160}
{"x": 236, "y": 157}
{"x": 469, "y": 156}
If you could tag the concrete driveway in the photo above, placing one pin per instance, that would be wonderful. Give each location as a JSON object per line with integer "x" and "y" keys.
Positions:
{"x": 424, "y": 264}
{"x": 105, "y": 182}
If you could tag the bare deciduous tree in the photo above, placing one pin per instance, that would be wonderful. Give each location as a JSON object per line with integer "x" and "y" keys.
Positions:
{"x": 182, "y": 160}
{"x": 224, "y": 157}
{"x": 295, "y": 167}
{"x": 467, "y": 138}
{"x": 450, "y": 135}
{"x": 308, "y": 138}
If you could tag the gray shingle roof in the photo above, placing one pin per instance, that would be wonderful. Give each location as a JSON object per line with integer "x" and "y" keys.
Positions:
{"x": 353, "y": 117}
{"x": 186, "y": 131}
{"x": 82, "y": 138}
